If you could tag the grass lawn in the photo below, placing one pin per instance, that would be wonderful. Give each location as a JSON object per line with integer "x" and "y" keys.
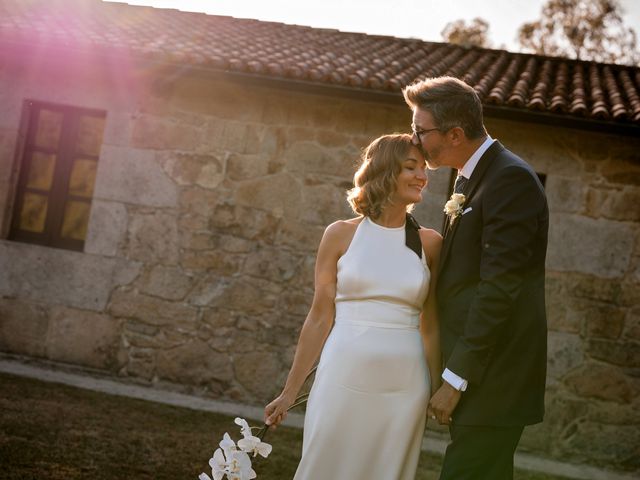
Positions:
{"x": 55, "y": 432}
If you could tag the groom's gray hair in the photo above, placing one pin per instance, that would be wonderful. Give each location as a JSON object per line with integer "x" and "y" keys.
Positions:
{"x": 451, "y": 102}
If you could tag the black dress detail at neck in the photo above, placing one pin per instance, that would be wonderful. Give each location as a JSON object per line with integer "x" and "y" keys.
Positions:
{"x": 412, "y": 237}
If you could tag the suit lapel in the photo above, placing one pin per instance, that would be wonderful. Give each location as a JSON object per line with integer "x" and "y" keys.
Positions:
{"x": 470, "y": 189}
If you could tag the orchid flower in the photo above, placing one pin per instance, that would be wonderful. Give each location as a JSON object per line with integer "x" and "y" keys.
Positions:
{"x": 245, "y": 429}
{"x": 240, "y": 467}
{"x": 218, "y": 465}
{"x": 255, "y": 446}
{"x": 251, "y": 443}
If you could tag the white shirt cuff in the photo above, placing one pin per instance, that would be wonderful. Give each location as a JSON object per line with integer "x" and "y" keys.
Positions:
{"x": 454, "y": 380}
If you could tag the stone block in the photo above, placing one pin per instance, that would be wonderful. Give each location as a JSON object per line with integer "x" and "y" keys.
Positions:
{"x": 273, "y": 264}
{"x": 561, "y": 314}
{"x": 299, "y": 235}
{"x": 607, "y": 253}
{"x": 623, "y": 165}
{"x": 234, "y": 136}
{"x": 118, "y": 128}
{"x": 198, "y": 201}
{"x": 296, "y": 302}
{"x": 547, "y": 150}
{"x": 305, "y": 157}
{"x": 220, "y": 98}
{"x": 274, "y": 111}
{"x": 153, "y": 237}
{"x": 615, "y": 204}
{"x": 215, "y": 261}
{"x": 618, "y": 413}
{"x": 245, "y": 221}
{"x": 632, "y": 325}
{"x": 245, "y": 166}
{"x": 251, "y": 297}
{"x": 107, "y": 228}
{"x": 603, "y": 321}
{"x": 194, "y": 240}
{"x": 565, "y": 194}
{"x": 218, "y": 319}
{"x": 259, "y": 373}
{"x": 331, "y": 139}
{"x": 262, "y": 140}
{"x": 194, "y": 363}
{"x": 212, "y": 136}
{"x": 59, "y": 277}
{"x": 164, "y": 133}
{"x": 170, "y": 283}
{"x": 84, "y": 338}
{"x": 323, "y": 112}
{"x": 323, "y": 204}
{"x": 630, "y": 293}
{"x": 605, "y": 445}
{"x": 141, "y": 363}
{"x": 604, "y": 382}
{"x": 135, "y": 177}
{"x": 206, "y": 171}
{"x": 208, "y": 288}
{"x": 23, "y": 327}
{"x": 561, "y": 412}
{"x": 622, "y": 353}
{"x": 592, "y": 287}
{"x": 565, "y": 352}
{"x": 279, "y": 194}
{"x": 151, "y": 310}
{"x": 232, "y": 244}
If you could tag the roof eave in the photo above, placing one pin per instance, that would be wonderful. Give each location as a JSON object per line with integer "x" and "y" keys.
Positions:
{"x": 395, "y": 98}
{"x": 347, "y": 91}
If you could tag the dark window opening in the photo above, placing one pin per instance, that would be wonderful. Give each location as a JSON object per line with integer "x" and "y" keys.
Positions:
{"x": 57, "y": 175}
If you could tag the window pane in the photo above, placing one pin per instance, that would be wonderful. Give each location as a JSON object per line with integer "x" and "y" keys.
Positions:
{"x": 34, "y": 212}
{"x": 76, "y": 219}
{"x": 41, "y": 171}
{"x": 49, "y": 128}
{"x": 90, "y": 135}
{"x": 83, "y": 177}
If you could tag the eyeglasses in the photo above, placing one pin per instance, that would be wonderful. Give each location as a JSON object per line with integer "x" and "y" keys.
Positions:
{"x": 419, "y": 133}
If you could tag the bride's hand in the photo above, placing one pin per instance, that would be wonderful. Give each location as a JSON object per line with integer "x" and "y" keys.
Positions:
{"x": 276, "y": 411}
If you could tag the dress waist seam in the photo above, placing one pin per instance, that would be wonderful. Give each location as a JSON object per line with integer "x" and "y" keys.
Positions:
{"x": 366, "y": 323}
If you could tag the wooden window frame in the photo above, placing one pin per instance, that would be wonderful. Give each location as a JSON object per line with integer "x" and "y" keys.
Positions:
{"x": 59, "y": 193}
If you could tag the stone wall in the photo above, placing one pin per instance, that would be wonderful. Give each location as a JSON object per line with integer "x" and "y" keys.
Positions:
{"x": 211, "y": 198}
{"x": 593, "y": 293}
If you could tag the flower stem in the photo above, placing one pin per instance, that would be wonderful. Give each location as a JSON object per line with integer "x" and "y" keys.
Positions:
{"x": 300, "y": 399}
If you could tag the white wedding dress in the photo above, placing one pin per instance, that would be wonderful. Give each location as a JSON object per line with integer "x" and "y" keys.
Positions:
{"x": 366, "y": 412}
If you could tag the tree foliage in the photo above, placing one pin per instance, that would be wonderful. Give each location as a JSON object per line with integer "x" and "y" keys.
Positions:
{"x": 475, "y": 34}
{"x": 581, "y": 29}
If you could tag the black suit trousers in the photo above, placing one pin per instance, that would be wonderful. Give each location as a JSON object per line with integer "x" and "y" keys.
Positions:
{"x": 480, "y": 453}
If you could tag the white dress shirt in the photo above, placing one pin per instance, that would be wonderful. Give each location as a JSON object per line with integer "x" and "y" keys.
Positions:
{"x": 448, "y": 376}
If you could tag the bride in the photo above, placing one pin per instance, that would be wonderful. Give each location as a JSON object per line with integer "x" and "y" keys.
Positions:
{"x": 373, "y": 323}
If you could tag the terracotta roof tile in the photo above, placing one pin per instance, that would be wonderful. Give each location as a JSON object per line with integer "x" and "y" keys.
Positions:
{"x": 511, "y": 81}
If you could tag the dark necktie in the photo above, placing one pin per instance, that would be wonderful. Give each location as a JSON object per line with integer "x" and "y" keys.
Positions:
{"x": 461, "y": 182}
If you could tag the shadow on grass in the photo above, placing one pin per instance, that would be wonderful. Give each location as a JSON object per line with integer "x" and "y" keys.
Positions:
{"x": 58, "y": 432}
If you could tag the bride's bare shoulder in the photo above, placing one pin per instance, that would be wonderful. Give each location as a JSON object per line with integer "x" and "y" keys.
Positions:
{"x": 341, "y": 232}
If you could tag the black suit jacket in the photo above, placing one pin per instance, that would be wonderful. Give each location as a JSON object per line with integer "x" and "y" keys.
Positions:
{"x": 491, "y": 293}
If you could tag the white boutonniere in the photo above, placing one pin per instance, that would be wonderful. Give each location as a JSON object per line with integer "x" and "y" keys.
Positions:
{"x": 454, "y": 207}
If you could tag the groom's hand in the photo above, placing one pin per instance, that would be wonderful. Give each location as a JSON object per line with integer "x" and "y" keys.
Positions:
{"x": 443, "y": 403}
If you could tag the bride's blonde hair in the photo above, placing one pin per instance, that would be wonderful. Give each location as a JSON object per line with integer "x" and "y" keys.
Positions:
{"x": 376, "y": 178}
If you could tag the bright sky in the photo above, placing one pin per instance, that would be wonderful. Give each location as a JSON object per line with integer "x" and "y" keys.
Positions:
{"x": 422, "y": 19}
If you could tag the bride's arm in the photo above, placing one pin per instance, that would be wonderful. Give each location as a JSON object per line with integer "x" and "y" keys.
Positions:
{"x": 429, "y": 327}
{"x": 316, "y": 326}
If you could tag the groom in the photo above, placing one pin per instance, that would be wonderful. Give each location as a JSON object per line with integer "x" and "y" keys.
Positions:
{"x": 490, "y": 288}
